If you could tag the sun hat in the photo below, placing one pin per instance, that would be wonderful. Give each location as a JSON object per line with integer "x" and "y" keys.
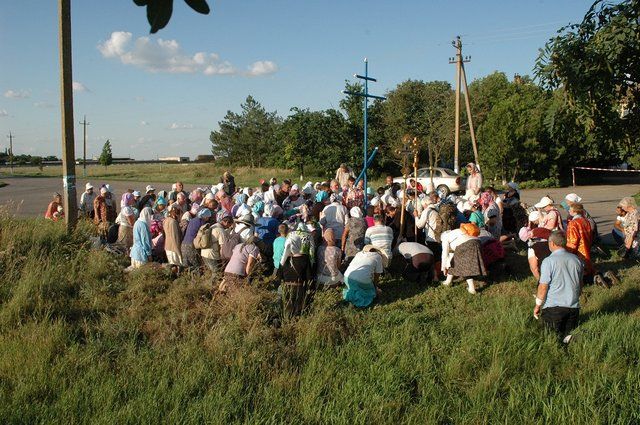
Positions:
{"x": 88, "y": 186}
{"x": 534, "y": 216}
{"x": 544, "y": 202}
{"x": 149, "y": 188}
{"x": 572, "y": 197}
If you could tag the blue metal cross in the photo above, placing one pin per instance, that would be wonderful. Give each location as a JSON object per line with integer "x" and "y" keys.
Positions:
{"x": 366, "y": 95}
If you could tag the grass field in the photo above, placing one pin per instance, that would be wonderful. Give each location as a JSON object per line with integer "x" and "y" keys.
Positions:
{"x": 169, "y": 173}
{"x": 82, "y": 342}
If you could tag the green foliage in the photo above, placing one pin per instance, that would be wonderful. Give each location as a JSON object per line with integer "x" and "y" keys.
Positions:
{"x": 106, "y": 157}
{"x": 423, "y": 110}
{"x": 159, "y": 11}
{"x": 595, "y": 64}
{"x": 80, "y": 341}
{"x": 247, "y": 138}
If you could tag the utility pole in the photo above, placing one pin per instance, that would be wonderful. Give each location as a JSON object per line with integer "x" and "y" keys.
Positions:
{"x": 11, "y": 137}
{"x": 84, "y": 155}
{"x": 461, "y": 77}
{"x": 66, "y": 107}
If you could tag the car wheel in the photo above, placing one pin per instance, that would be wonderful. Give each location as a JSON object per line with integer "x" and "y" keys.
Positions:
{"x": 444, "y": 189}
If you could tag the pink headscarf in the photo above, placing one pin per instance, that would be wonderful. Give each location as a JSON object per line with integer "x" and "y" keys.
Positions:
{"x": 126, "y": 199}
{"x": 486, "y": 199}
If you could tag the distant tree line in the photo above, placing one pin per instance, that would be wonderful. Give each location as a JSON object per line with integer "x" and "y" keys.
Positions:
{"x": 572, "y": 115}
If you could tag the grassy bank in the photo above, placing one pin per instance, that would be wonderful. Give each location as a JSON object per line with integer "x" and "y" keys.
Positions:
{"x": 169, "y": 173}
{"x": 188, "y": 173}
{"x": 82, "y": 342}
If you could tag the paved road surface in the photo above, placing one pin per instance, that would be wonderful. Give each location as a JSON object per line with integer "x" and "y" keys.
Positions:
{"x": 30, "y": 196}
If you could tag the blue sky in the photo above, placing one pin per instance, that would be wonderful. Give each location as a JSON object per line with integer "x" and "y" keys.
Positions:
{"x": 163, "y": 94}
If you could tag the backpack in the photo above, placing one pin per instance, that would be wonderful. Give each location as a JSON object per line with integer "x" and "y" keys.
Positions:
{"x": 446, "y": 219}
{"x": 203, "y": 237}
{"x": 229, "y": 241}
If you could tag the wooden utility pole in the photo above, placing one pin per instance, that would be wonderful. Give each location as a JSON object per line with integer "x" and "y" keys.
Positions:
{"x": 84, "y": 137}
{"x": 461, "y": 78}
{"x": 11, "y": 137}
{"x": 471, "y": 130}
{"x": 66, "y": 107}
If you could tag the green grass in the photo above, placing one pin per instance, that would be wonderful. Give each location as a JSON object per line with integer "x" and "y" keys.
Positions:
{"x": 82, "y": 342}
{"x": 188, "y": 173}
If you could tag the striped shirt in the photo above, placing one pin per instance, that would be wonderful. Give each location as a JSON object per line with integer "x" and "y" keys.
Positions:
{"x": 381, "y": 237}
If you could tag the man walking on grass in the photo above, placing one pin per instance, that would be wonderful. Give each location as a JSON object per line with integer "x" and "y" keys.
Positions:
{"x": 557, "y": 300}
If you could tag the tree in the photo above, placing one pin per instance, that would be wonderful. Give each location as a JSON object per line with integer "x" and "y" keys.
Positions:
{"x": 595, "y": 63}
{"x": 423, "y": 110}
{"x": 314, "y": 141}
{"x": 248, "y": 137}
{"x": 106, "y": 157}
{"x": 37, "y": 161}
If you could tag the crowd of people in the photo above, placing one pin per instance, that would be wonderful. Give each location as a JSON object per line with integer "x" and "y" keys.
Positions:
{"x": 337, "y": 234}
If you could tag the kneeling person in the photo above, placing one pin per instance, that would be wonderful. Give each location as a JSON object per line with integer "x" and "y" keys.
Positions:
{"x": 361, "y": 277}
{"x": 414, "y": 261}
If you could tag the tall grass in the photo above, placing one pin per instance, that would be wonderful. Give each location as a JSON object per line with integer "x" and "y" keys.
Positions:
{"x": 82, "y": 342}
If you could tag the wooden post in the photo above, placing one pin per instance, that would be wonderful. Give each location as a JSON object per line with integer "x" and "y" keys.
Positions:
{"x": 573, "y": 175}
{"x": 66, "y": 107}
{"x": 456, "y": 163}
{"x": 468, "y": 104}
{"x": 416, "y": 151}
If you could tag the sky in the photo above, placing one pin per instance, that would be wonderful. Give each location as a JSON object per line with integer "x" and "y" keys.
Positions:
{"x": 162, "y": 94}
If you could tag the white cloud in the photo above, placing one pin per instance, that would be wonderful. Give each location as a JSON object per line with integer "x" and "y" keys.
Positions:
{"x": 176, "y": 126}
{"x": 167, "y": 56}
{"x": 43, "y": 105}
{"x": 17, "y": 94}
{"x": 3, "y": 113}
{"x": 79, "y": 87}
{"x": 259, "y": 68}
{"x": 144, "y": 123}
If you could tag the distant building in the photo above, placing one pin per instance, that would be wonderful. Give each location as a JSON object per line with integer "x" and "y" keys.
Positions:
{"x": 205, "y": 158}
{"x": 174, "y": 159}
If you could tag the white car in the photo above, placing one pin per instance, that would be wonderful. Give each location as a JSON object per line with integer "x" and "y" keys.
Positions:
{"x": 445, "y": 180}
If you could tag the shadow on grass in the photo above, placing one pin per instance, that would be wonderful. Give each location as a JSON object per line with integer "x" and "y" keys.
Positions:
{"x": 627, "y": 303}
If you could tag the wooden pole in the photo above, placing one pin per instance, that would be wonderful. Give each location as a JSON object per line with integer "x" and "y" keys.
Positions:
{"x": 11, "y": 152}
{"x": 456, "y": 163}
{"x": 468, "y": 104}
{"x": 66, "y": 107}
{"x": 415, "y": 189}
{"x": 573, "y": 175}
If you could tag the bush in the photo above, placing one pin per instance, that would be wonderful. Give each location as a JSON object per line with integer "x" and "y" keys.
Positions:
{"x": 547, "y": 183}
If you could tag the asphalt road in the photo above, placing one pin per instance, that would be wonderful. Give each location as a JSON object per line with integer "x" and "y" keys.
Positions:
{"x": 29, "y": 197}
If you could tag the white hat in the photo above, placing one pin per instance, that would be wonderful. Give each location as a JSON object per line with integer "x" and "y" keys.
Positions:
{"x": 104, "y": 190}
{"x": 295, "y": 187}
{"x": 149, "y": 188}
{"x": 544, "y": 202}
{"x": 534, "y": 216}
{"x": 220, "y": 186}
{"x": 374, "y": 201}
{"x": 136, "y": 193}
{"x": 88, "y": 186}
{"x": 108, "y": 187}
{"x": 572, "y": 197}
{"x": 210, "y": 196}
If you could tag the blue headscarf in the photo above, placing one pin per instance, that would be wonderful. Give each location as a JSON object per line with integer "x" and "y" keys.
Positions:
{"x": 321, "y": 196}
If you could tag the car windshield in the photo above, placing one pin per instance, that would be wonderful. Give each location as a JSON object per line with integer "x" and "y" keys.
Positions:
{"x": 449, "y": 171}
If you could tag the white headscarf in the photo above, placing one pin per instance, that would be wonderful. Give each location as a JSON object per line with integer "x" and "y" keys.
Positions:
{"x": 355, "y": 212}
{"x": 146, "y": 215}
